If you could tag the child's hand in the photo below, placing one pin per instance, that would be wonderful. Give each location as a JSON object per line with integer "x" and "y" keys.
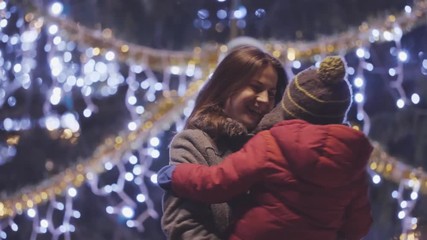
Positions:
{"x": 164, "y": 177}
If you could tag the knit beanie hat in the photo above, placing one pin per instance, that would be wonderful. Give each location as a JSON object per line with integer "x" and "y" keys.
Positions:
{"x": 319, "y": 96}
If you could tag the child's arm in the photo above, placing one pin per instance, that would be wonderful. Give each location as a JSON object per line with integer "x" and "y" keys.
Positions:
{"x": 358, "y": 217}
{"x": 222, "y": 182}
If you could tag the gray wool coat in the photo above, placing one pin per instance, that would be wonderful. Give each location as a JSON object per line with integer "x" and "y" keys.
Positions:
{"x": 186, "y": 220}
{"x": 183, "y": 219}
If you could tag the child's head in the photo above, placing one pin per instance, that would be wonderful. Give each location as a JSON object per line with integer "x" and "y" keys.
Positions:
{"x": 317, "y": 95}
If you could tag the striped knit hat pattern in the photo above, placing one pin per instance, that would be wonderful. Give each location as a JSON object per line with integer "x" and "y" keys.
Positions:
{"x": 319, "y": 96}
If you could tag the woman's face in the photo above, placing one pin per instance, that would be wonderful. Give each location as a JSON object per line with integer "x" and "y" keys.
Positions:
{"x": 252, "y": 102}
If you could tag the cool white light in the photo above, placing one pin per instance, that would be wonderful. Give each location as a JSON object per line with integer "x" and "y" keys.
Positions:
{"x": 376, "y": 179}
{"x": 175, "y": 70}
{"x": 402, "y": 56}
{"x": 360, "y": 116}
{"x": 358, "y": 82}
{"x": 414, "y": 195}
{"x": 394, "y": 194}
{"x": 139, "y": 109}
{"x": 110, "y": 56}
{"x": 360, "y": 52}
{"x": 108, "y": 166}
{"x": 155, "y": 153}
{"x": 44, "y": 223}
{"x": 133, "y": 159}
{"x": 132, "y": 100}
{"x": 375, "y": 33}
{"x": 56, "y": 8}
{"x": 87, "y": 112}
{"x": 400, "y": 103}
{"x": 401, "y": 215}
{"x": 52, "y": 123}
{"x": 31, "y": 212}
{"x": 137, "y": 170}
{"x": 132, "y": 126}
{"x": 296, "y": 64}
{"x": 130, "y": 223}
{"x": 76, "y": 214}
{"x": 129, "y": 176}
{"x": 55, "y": 98}
{"x": 388, "y": 36}
{"x": 358, "y": 97}
{"x": 72, "y": 192}
{"x": 415, "y": 98}
{"x": 153, "y": 178}
{"x": 154, "y": 141}
{"x": 127, "y": 212}
{"x": 14, "y": 227}
{"x": 141, "y": 198}
{"x": 109, "y": 210}
{"x": 68, "y": 120}
{"x": 53, "y": 29}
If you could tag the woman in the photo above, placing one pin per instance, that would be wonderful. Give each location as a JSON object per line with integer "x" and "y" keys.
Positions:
{"x": 244, "y": 87}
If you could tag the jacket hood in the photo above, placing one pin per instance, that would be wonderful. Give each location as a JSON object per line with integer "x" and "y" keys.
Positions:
{"x": 325, "y": 155}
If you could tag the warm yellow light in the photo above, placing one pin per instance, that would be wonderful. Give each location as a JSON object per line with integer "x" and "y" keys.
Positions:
{"x": 118, "y": 140}
{"x": 44, "y": 195}
{"x": 30, "y": 204}
{"x": 29, "y": 17}
{"x": 223, "y": 48}
{"x": 107, "y": 33}
{"x": 80, "y": 178}
{"x": 277, "y": 53}
{"x": 67, "y": 134}
{"x": 391, "y": 18}
{"x": 291, "y": 54}
{"x": 389, "y": 167}
{"x": 18, "y": 206}
{"x": 373, "y": 165}
{"x": 124, "y": 48}
{"x": 148, "y": 125}
{"x": 37, "y": 199}
{"x": 38, "y": 23}
{"x": 96, "y": 51}
{"x": 197, "y": 50}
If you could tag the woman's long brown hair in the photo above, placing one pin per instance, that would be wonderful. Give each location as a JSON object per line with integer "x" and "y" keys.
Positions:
{"x": 232, "y": 74}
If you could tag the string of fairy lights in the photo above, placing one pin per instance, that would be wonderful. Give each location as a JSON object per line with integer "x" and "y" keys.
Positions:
{"x": 161, "y": 87}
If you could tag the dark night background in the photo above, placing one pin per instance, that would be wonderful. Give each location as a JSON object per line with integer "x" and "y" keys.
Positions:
{"x": 176, "y": 25}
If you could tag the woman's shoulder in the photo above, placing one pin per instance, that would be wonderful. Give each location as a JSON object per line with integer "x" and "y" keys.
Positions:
{"x": 192, "y": 135}
{"x": 192, "y": 139}
{"x": 193, "y": 146}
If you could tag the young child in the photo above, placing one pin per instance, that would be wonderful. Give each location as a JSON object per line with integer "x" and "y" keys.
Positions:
{"x": 304, "y": 178}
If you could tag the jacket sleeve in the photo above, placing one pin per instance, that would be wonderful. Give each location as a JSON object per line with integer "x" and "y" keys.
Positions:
{"x": 358, "y": 217}
{"x": 183, "y": 219}
{"x": 220, "y": 183}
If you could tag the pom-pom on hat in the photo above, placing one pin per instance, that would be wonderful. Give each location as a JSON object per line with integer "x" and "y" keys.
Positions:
{"x": 319, "y": 96}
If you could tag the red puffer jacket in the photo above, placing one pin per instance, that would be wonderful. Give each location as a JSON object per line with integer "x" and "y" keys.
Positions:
{"x": 306, "y": 182}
